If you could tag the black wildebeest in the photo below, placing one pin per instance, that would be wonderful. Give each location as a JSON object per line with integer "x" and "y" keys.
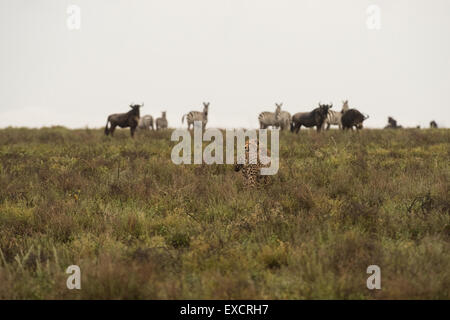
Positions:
{"x": 392, "y": 124}
{"x": 433, "y": 124}
{"x": 124, "y": 120}
{"x": 353, "y": 118}
{"x": 310, "y": 119}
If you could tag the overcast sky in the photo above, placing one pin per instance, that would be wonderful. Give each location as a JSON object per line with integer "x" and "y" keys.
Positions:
{"x": 242, "y": 56}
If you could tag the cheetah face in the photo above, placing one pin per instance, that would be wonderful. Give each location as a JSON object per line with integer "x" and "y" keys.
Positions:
{"x": 249, "y": 143}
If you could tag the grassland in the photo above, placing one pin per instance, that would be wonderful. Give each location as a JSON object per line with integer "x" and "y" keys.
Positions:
{"x": 141, "y": 227}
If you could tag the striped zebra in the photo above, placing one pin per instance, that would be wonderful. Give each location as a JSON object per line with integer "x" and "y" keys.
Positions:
{"x": 285, "y": 120}
{"x": 197, "y": 116}
{"x": 146, "y": 122}
{"x": 335, "y": 117}
{"x": 161, "y": 123}
{"x": 272, "y": 119}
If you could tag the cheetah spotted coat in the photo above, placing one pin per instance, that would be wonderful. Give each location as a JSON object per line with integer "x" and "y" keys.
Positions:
{"x": 252, "y": 171}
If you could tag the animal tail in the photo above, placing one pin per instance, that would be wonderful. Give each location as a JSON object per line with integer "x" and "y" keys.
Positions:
{"x": 366, "y": 116}
{"x": 106, "y": 127}
{"x": 182, "y": 119}
{"x": 262, "y": 119}
{"x": 292, "y": 124}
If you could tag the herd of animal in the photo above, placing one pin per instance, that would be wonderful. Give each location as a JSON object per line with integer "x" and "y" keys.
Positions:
{"x": 392, "y": 124}
{"x": 133, "y": 120}
{"x": 321, "y": 117}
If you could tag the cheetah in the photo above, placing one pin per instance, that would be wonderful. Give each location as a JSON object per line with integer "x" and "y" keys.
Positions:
{"x": 252, "y": 171}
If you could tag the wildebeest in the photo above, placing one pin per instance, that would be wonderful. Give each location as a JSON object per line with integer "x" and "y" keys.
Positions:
{"x": 334, "y": 117}
{"x": 197, "y": 116}
{"x": 270, "y": 119}
{"x": 310, "y": 119}
{"x": 433, "y": 124}
{"x": 146, "y": 122}
{"x": 392, "y": 124}
{"x": 124, "y": 120}
{"x": 353, "y": 118}
{"x": 161, "y": 123}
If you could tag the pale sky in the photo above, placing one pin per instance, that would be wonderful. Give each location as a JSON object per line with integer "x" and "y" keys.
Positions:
{"x": 242, "y": 56}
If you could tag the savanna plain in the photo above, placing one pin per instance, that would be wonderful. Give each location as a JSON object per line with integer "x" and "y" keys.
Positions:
{"x": 141, "y": 227}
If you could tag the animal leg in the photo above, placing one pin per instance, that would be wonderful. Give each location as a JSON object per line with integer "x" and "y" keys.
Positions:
{"x": 106, "y": 128}
{"x": 113, "y": 128}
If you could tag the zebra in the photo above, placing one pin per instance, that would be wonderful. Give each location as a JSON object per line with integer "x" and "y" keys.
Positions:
{"x": 267, "y": 118}
{"x": 345, "y": 106}
{"x": 334, "y": 117}
{"x": 197, "y": 116}
{"x": 285, "y": 120}
{"x": 146, "y": 122}
{"x": 161, "y": 123}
